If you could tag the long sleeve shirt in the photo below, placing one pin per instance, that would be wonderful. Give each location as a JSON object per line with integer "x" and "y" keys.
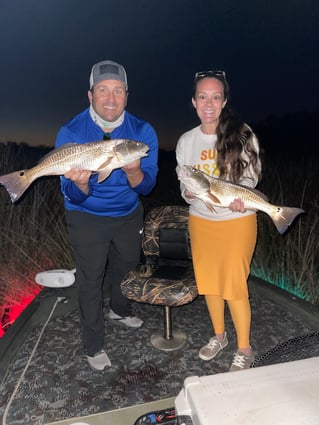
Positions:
{"x": 198, "y": 150}
{"x": 114, "y": 196}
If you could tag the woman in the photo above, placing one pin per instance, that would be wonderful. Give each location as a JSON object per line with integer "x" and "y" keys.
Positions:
{"x": 222, "y": 241}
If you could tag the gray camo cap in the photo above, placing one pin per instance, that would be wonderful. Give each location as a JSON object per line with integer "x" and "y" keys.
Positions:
{"x": 107, "y": 70}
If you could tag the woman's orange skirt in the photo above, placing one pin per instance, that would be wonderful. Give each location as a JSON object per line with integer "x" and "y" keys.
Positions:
{"x": 222, "y": 252}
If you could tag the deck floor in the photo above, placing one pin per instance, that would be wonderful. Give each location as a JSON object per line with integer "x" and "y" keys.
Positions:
{"x": 54, "y": 382}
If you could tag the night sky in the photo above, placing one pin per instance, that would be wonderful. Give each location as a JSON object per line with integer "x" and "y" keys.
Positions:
{"x": 269, "y": 50}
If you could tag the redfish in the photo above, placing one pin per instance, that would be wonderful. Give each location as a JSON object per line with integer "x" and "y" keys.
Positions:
{"x": 216, "y": 192}
{"x": 100, "y": 157}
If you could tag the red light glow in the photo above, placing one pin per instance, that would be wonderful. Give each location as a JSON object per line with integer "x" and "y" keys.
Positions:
{"x": 12, "y": 312}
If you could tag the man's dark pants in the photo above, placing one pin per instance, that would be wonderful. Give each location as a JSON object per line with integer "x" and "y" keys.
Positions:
{"x": 99, "y": 242}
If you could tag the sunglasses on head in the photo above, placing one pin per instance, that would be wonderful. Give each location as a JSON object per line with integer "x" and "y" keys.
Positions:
{"x": 203, "y": 74}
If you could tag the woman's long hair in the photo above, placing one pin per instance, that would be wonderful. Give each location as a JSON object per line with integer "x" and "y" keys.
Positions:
{"x": 234, "y": 137}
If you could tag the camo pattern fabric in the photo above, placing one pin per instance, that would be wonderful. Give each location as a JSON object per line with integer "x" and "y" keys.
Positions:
{"x": 142, "y": 284}
{"x": 172, "y": 216}
{"x": 159, "y": 291}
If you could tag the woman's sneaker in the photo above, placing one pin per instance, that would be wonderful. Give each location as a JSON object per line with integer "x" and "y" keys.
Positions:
{"x": 241, "y": 361}
{"x": 212, "y": 348}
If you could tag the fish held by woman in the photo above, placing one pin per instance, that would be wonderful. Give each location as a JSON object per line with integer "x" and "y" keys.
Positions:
{"x": 100, "y": 157}
{"x": 215, "y": 192}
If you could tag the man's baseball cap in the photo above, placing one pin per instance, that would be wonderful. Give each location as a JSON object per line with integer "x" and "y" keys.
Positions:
{"x": 107, "y": 70}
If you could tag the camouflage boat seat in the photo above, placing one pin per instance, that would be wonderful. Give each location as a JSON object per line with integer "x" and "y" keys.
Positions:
{"x": 167, "y": 277}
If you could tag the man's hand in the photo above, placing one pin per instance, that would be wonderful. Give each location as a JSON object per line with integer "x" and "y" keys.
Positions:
{"x": 80, "y": 178}
{"x": 134, "y": 173}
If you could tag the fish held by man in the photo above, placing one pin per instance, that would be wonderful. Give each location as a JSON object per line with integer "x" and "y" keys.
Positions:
{"x": 100, "y": 157}
{"x": 215, "y": 192}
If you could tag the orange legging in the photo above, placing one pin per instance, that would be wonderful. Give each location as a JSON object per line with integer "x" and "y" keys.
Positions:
{"x": 241, "y": 315}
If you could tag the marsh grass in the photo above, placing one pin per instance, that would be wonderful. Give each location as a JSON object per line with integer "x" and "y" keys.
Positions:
{"x": 33, "y": 235}
{"x": 291, "y": 261}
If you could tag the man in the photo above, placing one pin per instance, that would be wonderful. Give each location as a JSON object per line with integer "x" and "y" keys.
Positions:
{"x": 105, "y": 220}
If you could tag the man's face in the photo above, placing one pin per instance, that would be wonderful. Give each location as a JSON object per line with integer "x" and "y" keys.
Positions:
{"x": 109, "y": 99}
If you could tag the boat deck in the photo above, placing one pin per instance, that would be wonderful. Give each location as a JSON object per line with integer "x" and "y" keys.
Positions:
{"x": 45, "y": 377}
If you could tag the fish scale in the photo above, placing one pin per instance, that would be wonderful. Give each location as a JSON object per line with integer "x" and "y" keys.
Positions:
{"x": 219, "y": 192}
{"x": 101, "y": 157}
{"x": 87, "y": 157}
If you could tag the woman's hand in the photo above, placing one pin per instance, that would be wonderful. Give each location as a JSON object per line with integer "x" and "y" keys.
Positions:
{"x": 189, "y": 195}
{"x": 237, "y": 206}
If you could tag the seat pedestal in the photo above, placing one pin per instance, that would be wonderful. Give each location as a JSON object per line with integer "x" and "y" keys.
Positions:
{"x": 168, "y": 341}
{"x": 173, "y": 343}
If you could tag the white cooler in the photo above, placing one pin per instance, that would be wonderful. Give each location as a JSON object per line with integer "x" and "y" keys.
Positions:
{"x": 281, "y": 394}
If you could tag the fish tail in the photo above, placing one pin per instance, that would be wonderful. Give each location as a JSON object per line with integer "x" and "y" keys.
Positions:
{"x": 284, "y": 216}
{"x": 16, "y": 183}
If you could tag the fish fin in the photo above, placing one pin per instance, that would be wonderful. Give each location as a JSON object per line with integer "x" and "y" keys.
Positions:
{"x": 284, "y": 216}
{"x": 214, "y": 198}
{"x": 16, "y": 183}
{"x": 103, "y": 174}
{"x": 104, "y": 170}
{"x": 61, "y": 148}
{"x": 208, "y": 201}
{"x": 105, "y": 164}
{"x": 210, "y": 207}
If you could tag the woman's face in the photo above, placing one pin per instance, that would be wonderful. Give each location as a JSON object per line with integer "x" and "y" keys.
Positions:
{"x": 209, "y": 100}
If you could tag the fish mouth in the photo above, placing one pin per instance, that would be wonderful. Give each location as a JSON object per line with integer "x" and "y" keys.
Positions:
{"x": 189, "y": 169}
{"x": 144, "y": 152}
{"x": 143, "y": 147}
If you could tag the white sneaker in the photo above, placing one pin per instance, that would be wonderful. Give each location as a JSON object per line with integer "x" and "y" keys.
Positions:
{"x": 129, "y": 321}
{"x": 212, "y": 348}
{"x": 99, "y": 361}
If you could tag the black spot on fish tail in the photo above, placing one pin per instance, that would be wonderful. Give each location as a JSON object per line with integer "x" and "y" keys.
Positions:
{"x": 284, "y": 217}
{"x": 16, "y": 184}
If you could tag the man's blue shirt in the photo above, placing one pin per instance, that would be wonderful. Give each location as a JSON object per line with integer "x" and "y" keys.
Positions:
{"x": 113, "y": 197}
